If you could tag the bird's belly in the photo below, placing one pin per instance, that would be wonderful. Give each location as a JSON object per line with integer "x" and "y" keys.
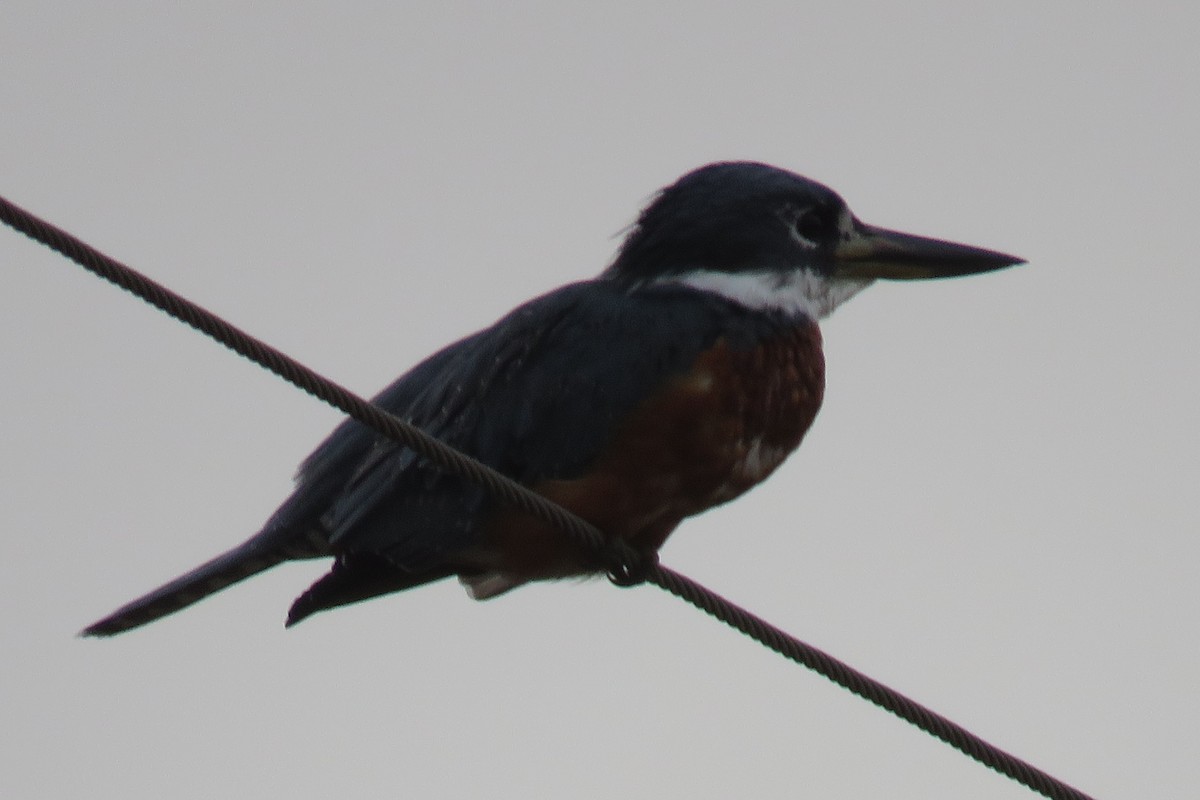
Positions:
{"x": 704, "y": 438}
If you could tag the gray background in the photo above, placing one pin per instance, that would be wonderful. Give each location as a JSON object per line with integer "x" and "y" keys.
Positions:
{"x": 995, "y": 512}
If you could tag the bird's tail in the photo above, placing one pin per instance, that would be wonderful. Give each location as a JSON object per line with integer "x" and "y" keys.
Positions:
{"x": 250, "y": 558}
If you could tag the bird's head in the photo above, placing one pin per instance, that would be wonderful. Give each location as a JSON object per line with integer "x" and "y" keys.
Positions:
{"x": 770, "y": 239}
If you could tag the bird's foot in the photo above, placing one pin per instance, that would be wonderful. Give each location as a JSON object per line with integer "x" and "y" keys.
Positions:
{"x": 626, "y": 566}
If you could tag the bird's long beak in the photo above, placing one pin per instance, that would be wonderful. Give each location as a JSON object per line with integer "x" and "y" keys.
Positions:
{"x": 866, "y": 252}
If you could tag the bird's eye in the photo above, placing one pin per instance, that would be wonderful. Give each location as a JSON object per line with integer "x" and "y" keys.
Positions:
{"x": 809, "y": 226}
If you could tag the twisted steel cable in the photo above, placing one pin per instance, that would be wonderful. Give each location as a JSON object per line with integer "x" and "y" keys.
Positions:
{"x": 626, "y": 566}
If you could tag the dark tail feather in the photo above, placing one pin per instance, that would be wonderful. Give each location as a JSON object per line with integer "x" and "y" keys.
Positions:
{"x": 225, "y": 570}
{"x": 359, "y": 577}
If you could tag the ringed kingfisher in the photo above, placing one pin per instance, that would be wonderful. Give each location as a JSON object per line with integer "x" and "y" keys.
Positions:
{"x": 677, "y": 379}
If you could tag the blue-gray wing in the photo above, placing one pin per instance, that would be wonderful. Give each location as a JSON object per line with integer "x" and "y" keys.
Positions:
{"x": 536, "y": 396}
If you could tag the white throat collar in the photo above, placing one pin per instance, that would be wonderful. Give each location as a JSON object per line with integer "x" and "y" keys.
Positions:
{"x": 794, "y": 293}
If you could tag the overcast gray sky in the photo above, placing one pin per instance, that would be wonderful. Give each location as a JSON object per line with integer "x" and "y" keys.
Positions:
{"x": 995, "y": 512}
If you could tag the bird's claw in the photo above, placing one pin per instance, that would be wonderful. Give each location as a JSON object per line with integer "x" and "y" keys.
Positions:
{"x": 629, "y": 567}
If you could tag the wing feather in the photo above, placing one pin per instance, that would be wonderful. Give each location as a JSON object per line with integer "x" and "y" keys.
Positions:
{"x": 537, "y": 396}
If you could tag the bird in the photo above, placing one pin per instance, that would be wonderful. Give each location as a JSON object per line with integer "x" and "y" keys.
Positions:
{"x": 674, "y": 381}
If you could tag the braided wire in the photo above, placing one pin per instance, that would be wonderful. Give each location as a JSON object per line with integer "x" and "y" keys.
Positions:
{"x": 627, "y": 567}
